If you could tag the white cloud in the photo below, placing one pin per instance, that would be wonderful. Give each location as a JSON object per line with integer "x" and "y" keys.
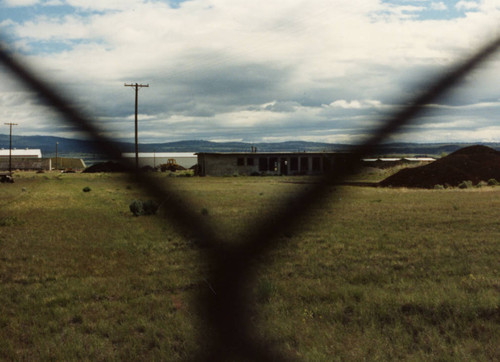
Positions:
{"x": 355, "y": 104}
{"x": 222, "y": 69}
{"x": 53, "y": 3}
{"x": 15, "y": 3}
{"x": 466, "y": 5}
{"x": 438, "y": 6}
{"x": 105, "y": 4}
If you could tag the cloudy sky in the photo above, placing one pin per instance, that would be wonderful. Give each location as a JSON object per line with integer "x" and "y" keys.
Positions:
{"x": 261, "y": 70}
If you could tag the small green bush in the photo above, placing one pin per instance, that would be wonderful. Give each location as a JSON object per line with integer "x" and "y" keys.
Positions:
{"x": 482, "y": 184}
{"x": 86, "y": 189}
{"x": 465, "y": 185}
{"x": 150, "y": 207}
{"x": 438, "y": 187}
{"x": 492, "y": 182}
{"x": 10, "y": 221}
{"x": 204, "y": 211}
{"x": 138, "y": 208}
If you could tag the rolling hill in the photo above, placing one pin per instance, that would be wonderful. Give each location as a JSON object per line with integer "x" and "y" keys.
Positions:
{"x": 72, "y": 147}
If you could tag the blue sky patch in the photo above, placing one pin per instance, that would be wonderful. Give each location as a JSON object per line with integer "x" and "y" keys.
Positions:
{"x": 433, "y": 9}
{"x": 29, "y": 13}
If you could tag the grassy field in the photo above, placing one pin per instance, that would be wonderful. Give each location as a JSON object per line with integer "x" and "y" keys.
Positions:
{"x": 375, "y": 274}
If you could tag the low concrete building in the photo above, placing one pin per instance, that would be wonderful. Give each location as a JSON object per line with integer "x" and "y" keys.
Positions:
{"x": 272, "y": 163}
{"x": 25, "y": 164}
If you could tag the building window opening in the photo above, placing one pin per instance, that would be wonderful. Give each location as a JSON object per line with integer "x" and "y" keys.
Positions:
{"x": 294, "y": 164}
{"x": 240, "y": 161}
{"x": 284, "y": 166}
{"x": 273, "y": 164}
{"x": 249, "y": 161}
{"x": 327, "y": 164}
{"x": 316, "y": 164}
{"x": 262, "y": 164}
{"x": 304, "y": 164}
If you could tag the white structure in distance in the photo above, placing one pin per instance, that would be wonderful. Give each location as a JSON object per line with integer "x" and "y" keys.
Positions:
{"x": 21, "y": 153}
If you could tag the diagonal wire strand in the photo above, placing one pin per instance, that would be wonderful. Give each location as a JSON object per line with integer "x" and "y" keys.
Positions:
{"x": 160, "y": 191}
{"x": 239, "y": 263}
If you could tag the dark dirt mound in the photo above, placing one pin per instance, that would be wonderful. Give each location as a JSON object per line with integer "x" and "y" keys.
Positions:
{"x": 106, "y": 167}
{"x": 474, "y": 163}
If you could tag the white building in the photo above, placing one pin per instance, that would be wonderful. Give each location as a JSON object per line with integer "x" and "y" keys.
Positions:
{"x": 23, "y": 153}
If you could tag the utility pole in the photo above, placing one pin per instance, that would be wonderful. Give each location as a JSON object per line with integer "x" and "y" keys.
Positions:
{"x": 137, "y": 87}
{"x": 10, "y": 146}
{"x": 56, "y": 155}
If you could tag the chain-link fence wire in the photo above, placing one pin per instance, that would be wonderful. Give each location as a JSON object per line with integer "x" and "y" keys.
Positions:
{"x": 225, "y": 306}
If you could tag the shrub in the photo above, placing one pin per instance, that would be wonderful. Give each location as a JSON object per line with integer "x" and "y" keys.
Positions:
{"x": 492, "y": 182}
{"x": 150, "y": 207}
{"x": 138, "y": 208}
{"x": 438, "y": 187}
{"x": 86, "y": 189}
{"x": 465, "y": 185}
{"x": 10, "y": 221}
{"x": 481, "y": 184}
{"x": 204, "y": 211}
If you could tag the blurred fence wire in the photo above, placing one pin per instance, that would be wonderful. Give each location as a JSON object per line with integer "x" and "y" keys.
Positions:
{"x": 225, "y": 305}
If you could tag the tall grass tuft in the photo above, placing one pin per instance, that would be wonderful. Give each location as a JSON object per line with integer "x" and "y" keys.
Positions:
{"x": 465, "y": 185}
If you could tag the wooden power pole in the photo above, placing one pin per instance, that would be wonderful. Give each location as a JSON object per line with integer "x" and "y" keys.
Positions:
{"x": 137, "y": 87}
{"x": 10, "y": 146}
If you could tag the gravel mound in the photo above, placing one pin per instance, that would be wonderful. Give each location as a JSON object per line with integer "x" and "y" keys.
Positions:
{"x": 474, "y": 163}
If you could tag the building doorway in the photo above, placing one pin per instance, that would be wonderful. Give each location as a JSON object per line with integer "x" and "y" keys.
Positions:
{"x": 284, "y": 166}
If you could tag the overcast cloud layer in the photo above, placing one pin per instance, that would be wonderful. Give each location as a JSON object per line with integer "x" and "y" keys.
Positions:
{"x": 261, "y": 70}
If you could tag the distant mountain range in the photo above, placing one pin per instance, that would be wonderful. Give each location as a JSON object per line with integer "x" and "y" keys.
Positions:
{"x": 68, "y": 147}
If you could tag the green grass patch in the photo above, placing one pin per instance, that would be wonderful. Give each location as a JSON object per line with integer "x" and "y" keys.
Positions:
{"x": 374, "y": 274}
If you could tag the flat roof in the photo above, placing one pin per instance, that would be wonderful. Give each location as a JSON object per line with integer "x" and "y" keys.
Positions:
{"x": 298, "y": 153}
{"x": 420, "y": 159}
{"x": 21, "y": 152}
{"x": 160, "y": 154}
